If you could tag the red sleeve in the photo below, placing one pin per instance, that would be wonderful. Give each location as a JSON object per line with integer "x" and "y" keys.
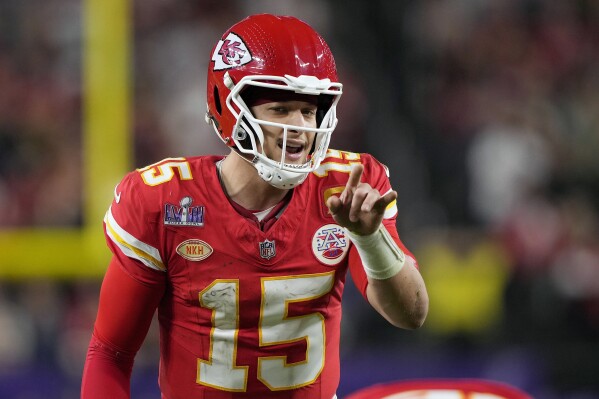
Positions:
{"x": 377, "y": 175}
{"x": 355, "y": 263}
{"x": 125, "y": 312}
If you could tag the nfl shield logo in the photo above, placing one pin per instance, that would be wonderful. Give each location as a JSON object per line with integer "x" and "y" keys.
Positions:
{"x": 267, "y": 249}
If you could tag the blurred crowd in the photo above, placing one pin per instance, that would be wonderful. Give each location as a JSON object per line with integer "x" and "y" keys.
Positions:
{"x": 40, "y": 113}
{"x": 486, "y": 112}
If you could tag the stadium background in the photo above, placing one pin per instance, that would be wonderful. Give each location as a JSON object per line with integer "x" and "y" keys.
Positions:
{"x": 486, "y": 112}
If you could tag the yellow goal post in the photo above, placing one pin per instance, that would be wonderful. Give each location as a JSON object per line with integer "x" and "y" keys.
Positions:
{"x": 76, "y": 252}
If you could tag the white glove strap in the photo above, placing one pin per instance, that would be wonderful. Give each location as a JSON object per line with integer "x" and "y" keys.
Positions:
{"x": 380, "y": 255}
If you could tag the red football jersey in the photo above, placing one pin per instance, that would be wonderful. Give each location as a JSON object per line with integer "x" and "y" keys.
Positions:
{"x": 246, "y": 313}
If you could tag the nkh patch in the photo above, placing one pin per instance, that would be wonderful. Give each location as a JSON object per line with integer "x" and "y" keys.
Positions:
{"x": 185, "y": 214}
{"x": 194, "y": 250}
{"x": 267, "y": 249}
{"x": 330, "y": 244}
{"x": 230, "y": 52}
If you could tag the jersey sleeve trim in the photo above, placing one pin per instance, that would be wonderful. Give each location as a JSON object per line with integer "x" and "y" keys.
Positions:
{"x": 391, "y": 210}
{"x": 131, "y": 246}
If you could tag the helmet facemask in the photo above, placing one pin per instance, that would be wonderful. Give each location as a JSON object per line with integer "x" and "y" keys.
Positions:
{"x": 249, "y": 137}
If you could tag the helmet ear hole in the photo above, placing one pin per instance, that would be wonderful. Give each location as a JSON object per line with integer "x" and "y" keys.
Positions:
{"x": 242, "y": 135}
{"x": 219, "y": 107}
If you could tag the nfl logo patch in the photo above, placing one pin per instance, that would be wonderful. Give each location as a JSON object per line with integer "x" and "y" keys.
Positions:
{"x": 267, "y": 249}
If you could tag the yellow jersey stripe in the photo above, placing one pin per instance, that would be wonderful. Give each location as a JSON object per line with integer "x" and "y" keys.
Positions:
{"x": 131, "y": 246}
{"x": 391, "y": 209}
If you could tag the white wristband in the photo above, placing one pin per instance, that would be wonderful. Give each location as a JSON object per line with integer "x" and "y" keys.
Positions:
{"x": 380, "y": 255}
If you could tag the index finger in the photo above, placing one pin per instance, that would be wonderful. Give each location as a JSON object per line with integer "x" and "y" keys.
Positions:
{"x": 354, "y": 176}
{"x": 352, "y": 183}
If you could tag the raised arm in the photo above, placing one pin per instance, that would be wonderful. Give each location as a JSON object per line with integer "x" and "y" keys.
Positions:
{"x": 395, "y": 287}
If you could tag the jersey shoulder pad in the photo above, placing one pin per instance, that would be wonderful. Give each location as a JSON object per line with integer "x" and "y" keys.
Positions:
{"x": 167, "y": 170}
{"x": 337, "y": 161}
{"x": 333, "y": 173}
{"x": 142, "y": 190}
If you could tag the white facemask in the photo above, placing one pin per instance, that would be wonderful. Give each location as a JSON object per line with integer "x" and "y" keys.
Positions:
{"x": 249, "y": 129}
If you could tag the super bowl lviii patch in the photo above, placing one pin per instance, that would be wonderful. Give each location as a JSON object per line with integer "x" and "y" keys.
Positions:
{"x": 185, "y": 214}
{"x": 330, "y": 244}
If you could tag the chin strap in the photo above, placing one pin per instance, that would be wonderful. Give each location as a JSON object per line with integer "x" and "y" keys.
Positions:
{"x": 279, "y": 178}
{"x": 276, "y": 177}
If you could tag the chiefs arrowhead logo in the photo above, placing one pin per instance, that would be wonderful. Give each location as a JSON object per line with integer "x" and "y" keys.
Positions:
{"x": 230, "y": 53}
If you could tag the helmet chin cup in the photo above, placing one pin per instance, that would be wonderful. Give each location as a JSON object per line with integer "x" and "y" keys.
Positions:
{"x": 282, "y": 179}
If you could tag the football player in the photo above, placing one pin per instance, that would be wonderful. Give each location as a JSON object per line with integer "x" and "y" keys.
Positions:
{"x": 245, "y": 256}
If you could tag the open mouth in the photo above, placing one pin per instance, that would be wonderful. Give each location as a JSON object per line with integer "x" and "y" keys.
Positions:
{"x": 294, "y": 149}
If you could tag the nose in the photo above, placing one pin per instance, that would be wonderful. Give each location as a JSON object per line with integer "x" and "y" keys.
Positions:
{"x": 297, "y": 118}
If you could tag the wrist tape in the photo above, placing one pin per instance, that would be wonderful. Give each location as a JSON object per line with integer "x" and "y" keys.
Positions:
{"x": 380, "y": 255}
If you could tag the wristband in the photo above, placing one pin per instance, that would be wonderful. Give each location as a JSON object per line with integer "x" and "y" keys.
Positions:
{"x": 381, "y": 256}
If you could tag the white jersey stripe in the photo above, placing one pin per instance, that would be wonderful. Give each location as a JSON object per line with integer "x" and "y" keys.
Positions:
{"x": 131, "y": 246}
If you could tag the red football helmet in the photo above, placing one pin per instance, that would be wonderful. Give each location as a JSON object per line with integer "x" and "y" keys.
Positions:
{"x": 272, "y": 52}
{"x": 441, "y": 389}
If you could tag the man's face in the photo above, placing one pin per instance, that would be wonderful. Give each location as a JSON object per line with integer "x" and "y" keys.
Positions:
{"x": 296, "y": 113}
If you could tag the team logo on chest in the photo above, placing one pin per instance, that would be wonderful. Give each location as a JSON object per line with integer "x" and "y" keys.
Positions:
{"x": 330, "y": 244}
{"x": 185, "y": 214}
{"x": 267, "y": 249}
